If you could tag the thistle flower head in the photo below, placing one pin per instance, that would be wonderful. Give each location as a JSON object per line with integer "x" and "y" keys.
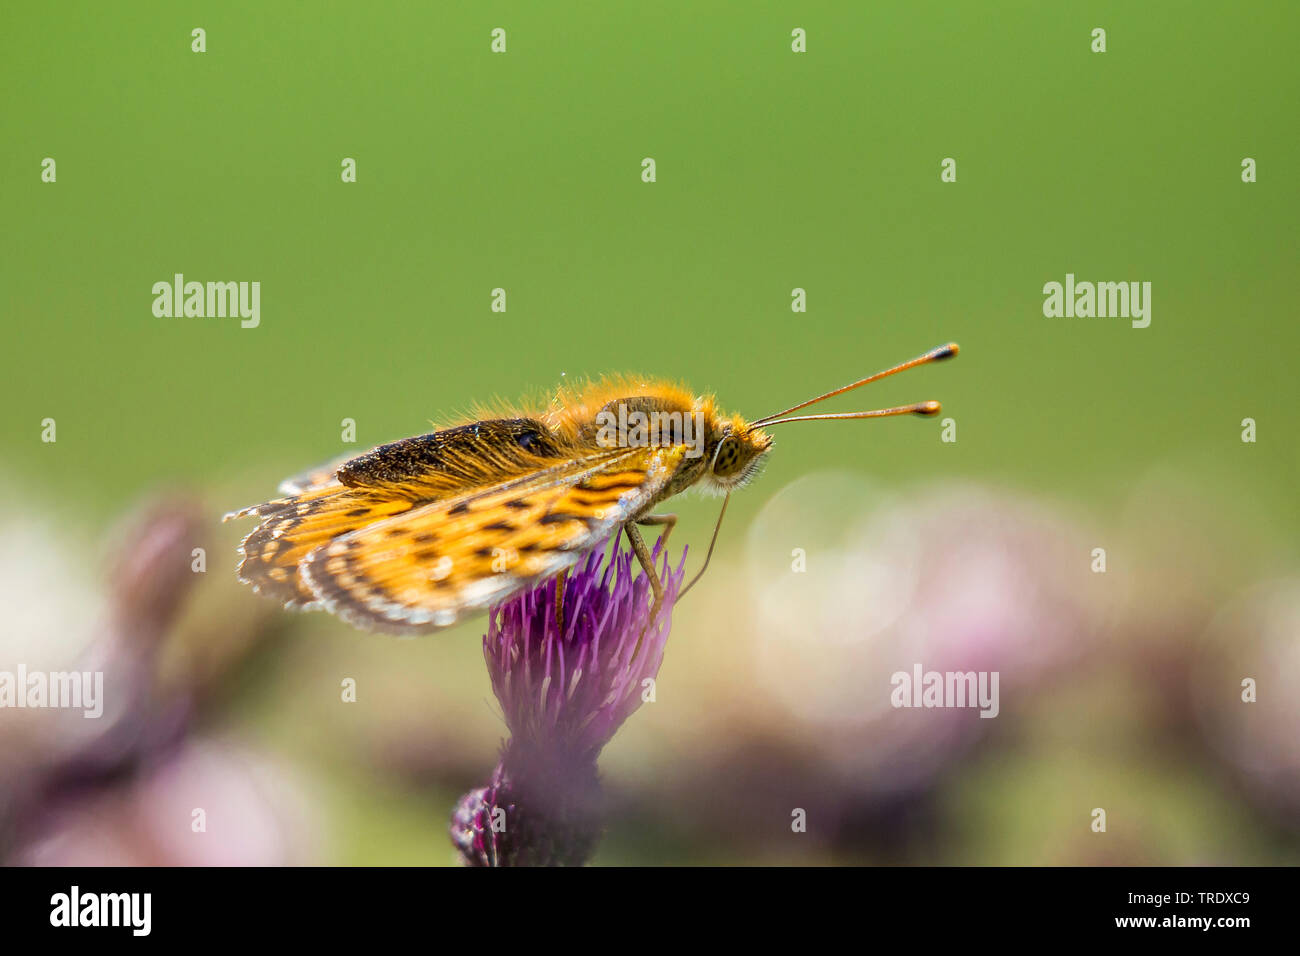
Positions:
{"x": 566, "y": 682}
{"x": 566, "y": 687}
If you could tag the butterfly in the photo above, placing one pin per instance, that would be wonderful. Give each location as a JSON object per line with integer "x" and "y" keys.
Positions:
{"x": 414, "y": 535}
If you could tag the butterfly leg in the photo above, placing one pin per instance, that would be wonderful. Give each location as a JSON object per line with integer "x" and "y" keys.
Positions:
{"x": 647, "y": 565}
{"x": 649, "y": 521}
{"x": 559, "y": 599}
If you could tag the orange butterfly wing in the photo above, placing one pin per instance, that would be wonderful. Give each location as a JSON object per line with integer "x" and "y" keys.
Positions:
{"x": 423, "y": 569}
{"x": 293, "y": 527}
{"x": 331, "y": 500}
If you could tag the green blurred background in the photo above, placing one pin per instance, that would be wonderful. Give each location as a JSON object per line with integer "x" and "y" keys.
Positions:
{"x": 775, "y": 170}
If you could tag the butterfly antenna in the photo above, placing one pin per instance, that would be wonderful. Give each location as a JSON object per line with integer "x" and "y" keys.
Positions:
{"x": 921, "y": 408}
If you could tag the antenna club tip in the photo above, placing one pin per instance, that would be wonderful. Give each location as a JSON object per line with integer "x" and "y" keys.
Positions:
{"x": 929, "y": 408}
{"x": 945, "y": 351}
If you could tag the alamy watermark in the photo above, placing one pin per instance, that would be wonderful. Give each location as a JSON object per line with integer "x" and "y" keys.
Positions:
{"x": 61, "y": 689}
{"x": 211, "y": 300}
{"x": 132, "y": 911}
{"x": 946, "y": 689}
{"x": 635, "y": 428}
{"x": 1086, "y": 300}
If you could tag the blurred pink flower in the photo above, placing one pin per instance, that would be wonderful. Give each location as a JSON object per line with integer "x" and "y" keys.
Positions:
{"x": 122, "y": 788}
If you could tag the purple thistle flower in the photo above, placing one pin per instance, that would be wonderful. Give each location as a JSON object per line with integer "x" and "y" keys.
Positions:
{"x": 564, "y": 691}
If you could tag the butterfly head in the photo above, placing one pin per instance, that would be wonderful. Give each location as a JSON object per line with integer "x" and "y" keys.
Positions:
{"x": 736, "y": 452}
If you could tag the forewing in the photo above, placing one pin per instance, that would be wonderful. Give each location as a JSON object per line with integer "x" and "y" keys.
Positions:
{"x": 424, "y": 569}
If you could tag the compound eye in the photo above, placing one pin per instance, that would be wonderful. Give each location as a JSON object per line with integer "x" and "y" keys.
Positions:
{"x": 728, "y": 459}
